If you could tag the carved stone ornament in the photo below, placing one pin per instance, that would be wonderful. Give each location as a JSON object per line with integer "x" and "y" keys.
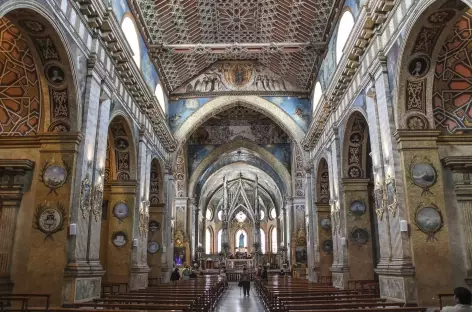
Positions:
{"x": 86, "y": 196}
{"x": 97, "y": 201}
{"x": 429, "y": 220}
{"x": 143, "y": 221}
{"x": 154, "y": 225}
{"x": 391, "y": 195}
{"x": 53, "y": 175}
{"x": 49, "y": 219}
{"x": 379, "y": 201}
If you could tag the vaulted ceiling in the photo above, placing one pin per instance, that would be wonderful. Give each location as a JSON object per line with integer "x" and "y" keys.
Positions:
{"x": 286, "y": 36}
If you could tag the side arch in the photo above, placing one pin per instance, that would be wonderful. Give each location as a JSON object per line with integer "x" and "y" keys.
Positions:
{"x": 278, "y": 167}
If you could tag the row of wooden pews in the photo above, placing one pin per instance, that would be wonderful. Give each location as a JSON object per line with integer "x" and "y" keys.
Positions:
{"x": 194, "y": 295}
{"x": 286, "y": 294}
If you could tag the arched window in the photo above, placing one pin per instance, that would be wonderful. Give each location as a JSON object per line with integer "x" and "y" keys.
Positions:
{"x": 346, "y": 23}
{"x": 273, "y": 213}
{"x": 131, "y": 35}
{"x": 263, "y": 241}
{"x": 208, "y": 241}
{"x": 220, "y": 233}
{"x": 241, "y": 239}
{"x": 317, "y": 94}
{"x": 262, "y": 214}
{"x": 209, "y": 214}
{"x": 159, "y": 93}
{"x": 274, "y": 240}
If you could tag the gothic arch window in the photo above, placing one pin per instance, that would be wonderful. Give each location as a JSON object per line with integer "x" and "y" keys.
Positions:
{"x": 131, "y": 34}
{"x": 159, "y": 93}
{"x": 346, "y": 24}
{"x": 274, "y": 240}
{"x": 262, "y": 214}
{"x": 317, "y": 94}
{"x": 208, "y": 241}
{"x": 220, "y": 237}
{"x": 263, "y": 241}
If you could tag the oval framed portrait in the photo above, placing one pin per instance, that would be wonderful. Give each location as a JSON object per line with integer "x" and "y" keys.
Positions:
{"x": 54, "y": 176}
{"x": 154, "y": 225}
{"x": 325, "y": 223}
{"x": 121, "y": 210}
{"x": 328, "y": 245}
{"x": 428, "y": 219}
{"x": 357, "y": 208}
{"x": 119, "y": 239}
{"x": 153, "y": 247}
{"x": 423, "y": 175}
{"x": 359, "y": 236}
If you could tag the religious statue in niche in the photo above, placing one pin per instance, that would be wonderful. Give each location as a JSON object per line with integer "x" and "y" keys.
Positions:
{"x": 429, "y": 220}
{"x": 241, "y": 240}
{"x": 119, "y": 239}
{"x": 301, "y": 255}
{"x": 49, "y": 219}
{"x": 53, "y": 175}
{"x": 422, "y": 174}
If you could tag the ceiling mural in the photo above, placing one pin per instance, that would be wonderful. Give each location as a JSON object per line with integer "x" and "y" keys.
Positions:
{"x": 287, "y": 37}
{"x": 299, "y": 109}
{"x": 231, "y": 76}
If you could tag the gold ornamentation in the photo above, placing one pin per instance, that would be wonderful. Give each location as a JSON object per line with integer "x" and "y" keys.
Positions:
{"x": 86, "y": 196}
{"x": 97, "y": 201}
{"x": 391, "y": 195}
{"x": 379, "y": 201}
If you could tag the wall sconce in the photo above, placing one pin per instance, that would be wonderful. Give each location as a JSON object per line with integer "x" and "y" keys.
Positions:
{"x": 72, "y": 229}
{"x": 135, "y": 242}
{"x": 403, "y": 226}
{"x": 343, "y": 241}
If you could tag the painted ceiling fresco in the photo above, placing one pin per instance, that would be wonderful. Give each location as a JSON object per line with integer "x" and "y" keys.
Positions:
{"x": 239, "y": 123}
{"x": 288, "y": 37}
{"x": 299, "y": 109}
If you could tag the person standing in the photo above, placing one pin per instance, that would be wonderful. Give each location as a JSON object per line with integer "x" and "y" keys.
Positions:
{"x": 245, "y": 281}
{"x": 175, "y": 276}
{"x": 265, "y": 275}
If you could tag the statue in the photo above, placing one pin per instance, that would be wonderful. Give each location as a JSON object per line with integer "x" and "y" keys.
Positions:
{"x": 241, "y": 240}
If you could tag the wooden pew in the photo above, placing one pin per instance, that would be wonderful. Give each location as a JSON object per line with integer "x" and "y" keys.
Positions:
{"x": 24, "y": 299}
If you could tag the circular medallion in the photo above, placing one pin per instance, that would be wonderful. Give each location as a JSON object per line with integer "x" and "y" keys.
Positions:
{"x": 121, "y": 210}
{"x": 325, "y": 223}
{"x": 153, "y": 247}
{"x": 357, "y": 208}
{"x": 55, "y": 75}
{"x": 417, "y": 122}
{"x": 354, "y": 172}
{"x": 154, "y": 200}
{"x": 328, "y": 245}
{"x": 121, "y": 144}
{"x": 54, "y": 176}
{"x": 419, "y": 66}
{"x": 154, "y": 225}
{"x": 123, "y": 176}
{"x": 359, "y": 236}
{"x": 356, "y": 138}
{"x": 423, "y": 175}
{"x": 428, "y": 219}
{"x": 50, "y": 220}
{"x": 119, "y": 239}
{"x": 441, "y": 17}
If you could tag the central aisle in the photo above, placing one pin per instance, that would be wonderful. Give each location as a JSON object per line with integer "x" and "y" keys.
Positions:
{"x": 233, "y": 300}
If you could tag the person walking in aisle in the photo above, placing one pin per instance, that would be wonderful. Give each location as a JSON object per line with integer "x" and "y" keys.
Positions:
{"x": 245, "y": 281}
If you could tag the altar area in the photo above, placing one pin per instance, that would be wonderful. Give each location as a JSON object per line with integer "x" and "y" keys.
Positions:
{"x": 239, "y": 264}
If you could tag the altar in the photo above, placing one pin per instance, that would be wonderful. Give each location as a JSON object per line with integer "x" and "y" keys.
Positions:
{"x": 239, "y": 264}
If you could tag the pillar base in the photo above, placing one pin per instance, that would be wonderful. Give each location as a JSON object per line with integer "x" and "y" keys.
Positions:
{"x": 139, "y": 277}
{"x": 82, "y": 282}
{"x": 468, "y": 280}
{"x": 340, "y": 277}
{"x": 398, "y": 288}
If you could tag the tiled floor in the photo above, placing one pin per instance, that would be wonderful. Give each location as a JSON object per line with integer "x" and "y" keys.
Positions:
{"x": 233, "y": 300}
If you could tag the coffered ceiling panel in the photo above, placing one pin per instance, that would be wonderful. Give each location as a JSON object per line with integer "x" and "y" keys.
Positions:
{"x": 188, "y": 36}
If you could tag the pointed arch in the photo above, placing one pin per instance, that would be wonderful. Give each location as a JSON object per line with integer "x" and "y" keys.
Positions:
{"x": 322, "y": 185}
{"x": 123, "y": 149}
{"x": 355, "y": 147}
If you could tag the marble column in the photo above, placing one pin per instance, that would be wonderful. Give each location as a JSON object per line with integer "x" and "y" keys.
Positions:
{"x": 168, "y": 227}
{"x": 310, "y": 224}
{"x": 288, "y": 228}
{"x": 15, "y": 179}
{"x": 395, "y": 264}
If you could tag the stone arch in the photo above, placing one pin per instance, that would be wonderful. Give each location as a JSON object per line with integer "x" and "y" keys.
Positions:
{"x": 256, "y": 103}
{"x": 355, "y": 147}
{"x": 427, "y": 29}
{"x": 59, "y": 106}
{"x": 122, "y": 145}
{"x": 278, "y": 167}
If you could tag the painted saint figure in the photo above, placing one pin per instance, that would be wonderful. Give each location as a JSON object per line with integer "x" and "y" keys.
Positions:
{"x": 241, "y": 240}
